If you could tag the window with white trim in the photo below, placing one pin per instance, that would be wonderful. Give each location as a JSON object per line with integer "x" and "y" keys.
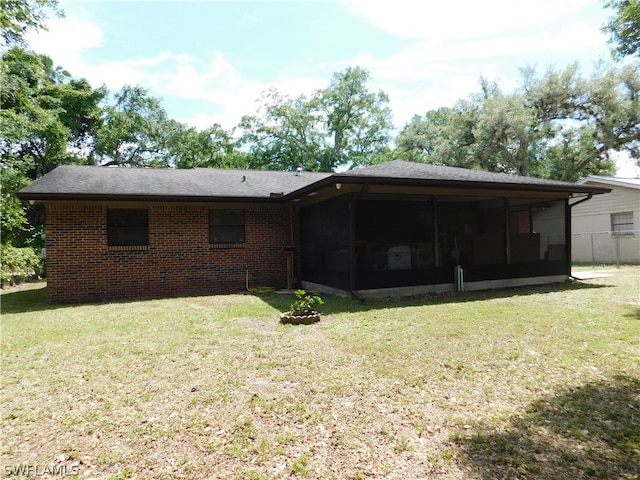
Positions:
{"x": 622, "y": 223}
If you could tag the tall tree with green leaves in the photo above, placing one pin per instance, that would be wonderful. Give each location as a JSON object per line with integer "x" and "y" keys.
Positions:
{"x": 30, "y": 130}
{"x": 560, "y": 125}
{"x": 582, "y": 121}
{"x": 624, "y": 27}
{"x": 284, "y": 134}
{"x": 341, "y": 125}
{"x": 426, "y": 137}
{"x": 136, "y": 131}
{"x": 46, "y": 119}
{"x": 357, "y": 120}
{"x": 212, "y": 147}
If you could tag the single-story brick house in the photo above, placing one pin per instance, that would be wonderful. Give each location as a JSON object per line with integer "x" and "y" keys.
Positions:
{"x": 390, "y": 229}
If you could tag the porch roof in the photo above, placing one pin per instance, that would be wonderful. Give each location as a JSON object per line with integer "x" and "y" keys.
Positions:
{"x": 400, "y": 172}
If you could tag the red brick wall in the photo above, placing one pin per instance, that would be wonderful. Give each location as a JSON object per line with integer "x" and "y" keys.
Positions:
{"x": 179, "y": 260}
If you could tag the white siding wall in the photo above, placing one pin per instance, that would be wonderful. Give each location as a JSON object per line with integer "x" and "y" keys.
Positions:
{"x": 549, "y": 223}
{"x": 591, "y": 240}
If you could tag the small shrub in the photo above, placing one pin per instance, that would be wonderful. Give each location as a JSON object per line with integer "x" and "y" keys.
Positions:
{"x": 19, "y": 264}
{"x": 305, "y": 303}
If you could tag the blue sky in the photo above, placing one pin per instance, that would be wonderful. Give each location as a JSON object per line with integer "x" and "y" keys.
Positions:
{"x": 210, "y": 60}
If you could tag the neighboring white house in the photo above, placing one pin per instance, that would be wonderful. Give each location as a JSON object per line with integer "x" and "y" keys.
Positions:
{"x": 606, "y": 228}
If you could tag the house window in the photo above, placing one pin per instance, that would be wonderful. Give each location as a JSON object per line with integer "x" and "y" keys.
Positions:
{"x": 128, "y": 226}
{"x": 226, "y": 226}
{"x": 622, "y": 223}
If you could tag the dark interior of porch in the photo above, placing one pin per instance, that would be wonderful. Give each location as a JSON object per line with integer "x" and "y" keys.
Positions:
{"x": 379, "y": 241}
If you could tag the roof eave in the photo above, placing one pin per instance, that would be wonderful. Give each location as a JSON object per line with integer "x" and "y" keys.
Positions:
{"x": 616, "y": 182}
{"x": 81, "y": 197}
{"x": 453, "y": 184}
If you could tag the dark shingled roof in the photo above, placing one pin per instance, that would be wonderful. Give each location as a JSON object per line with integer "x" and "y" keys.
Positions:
{"x": 198, "y": 184}
{"x": 209, "y": 184}
{"x": 400, "y": 169}
{"x": 401, "y": 172}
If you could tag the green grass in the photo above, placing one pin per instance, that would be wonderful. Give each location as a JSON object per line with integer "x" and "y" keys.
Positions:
{"x": 538, "y": 382}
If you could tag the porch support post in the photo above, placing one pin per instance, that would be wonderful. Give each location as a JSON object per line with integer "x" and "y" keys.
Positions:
{"x": 567, "y": 236}
{"x": 436, "y": 246}
{"x": 352, "y": 243}
{"x": 507, "y": 230}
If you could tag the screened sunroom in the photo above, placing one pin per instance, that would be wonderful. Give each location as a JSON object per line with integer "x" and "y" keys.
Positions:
{"x": 384, "y": 241}
{"x": 413, "y": 233}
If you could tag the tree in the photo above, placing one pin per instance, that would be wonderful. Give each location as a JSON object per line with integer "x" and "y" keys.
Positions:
{"x": 357, "y": 120}
{"x": 341, "y": 125}
{"x": 46, "y": 119}
{"x": 441, "y": 137}
{"x": 13, "y": 177}
{"x": 582, "y": 121}
{"x": 213, "y": 147}
{"x": 560, "y": 126}
{"x": 79, "y": 110}
{"x": 136, "y": 131}
{"x": 284, "y": 134}
{"x": 624, "y": 27}
{"x": 17, "y": 17}
{"x": 422, "y": 137}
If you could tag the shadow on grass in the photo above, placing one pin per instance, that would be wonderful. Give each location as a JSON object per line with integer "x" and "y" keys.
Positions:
{"x": 27, "y": 299}
{"x": 634, "y": 313}
{"x": 592, "y": 431}
{"x": 334, "y": 304}
{"x": 34, "y": 299}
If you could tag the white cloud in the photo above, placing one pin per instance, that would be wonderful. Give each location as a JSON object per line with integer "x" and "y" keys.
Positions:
{"x": 460, "y": 19}
{"x": 218, "y": 82}
{"x": 427, "y": 52}
{"x": 66, "y": 41}
{"x": 446, "y": 59}
{"x": 202, "y": 120}
{"x": 69, "y": 42}
{"x": 225, "y": 93}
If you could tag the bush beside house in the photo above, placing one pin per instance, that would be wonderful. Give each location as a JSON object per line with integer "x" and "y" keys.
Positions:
{"x": 19, "y": 264}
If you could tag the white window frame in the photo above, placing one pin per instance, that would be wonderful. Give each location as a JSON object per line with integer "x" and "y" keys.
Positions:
{"x": 622, "y": 223}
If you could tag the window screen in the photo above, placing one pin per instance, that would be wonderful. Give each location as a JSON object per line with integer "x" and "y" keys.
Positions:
{"x": 128, "y": 226}
{"x": 622, "y": 223}
{"x": 226, "y": 226}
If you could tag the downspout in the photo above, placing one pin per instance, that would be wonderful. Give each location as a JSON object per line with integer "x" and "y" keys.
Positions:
{"x": 568, "y": 230}
{"x": 588, "y": 197}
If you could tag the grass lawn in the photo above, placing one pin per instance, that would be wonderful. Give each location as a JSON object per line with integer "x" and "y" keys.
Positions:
{"x": 535, "y": 383}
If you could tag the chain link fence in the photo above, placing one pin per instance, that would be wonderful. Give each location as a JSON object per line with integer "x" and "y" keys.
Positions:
{"x": 606, "y": 247}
